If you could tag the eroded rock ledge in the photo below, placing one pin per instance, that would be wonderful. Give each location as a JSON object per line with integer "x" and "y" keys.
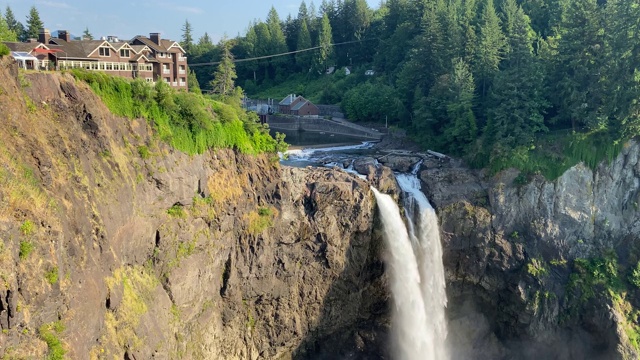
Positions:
{"x": 107, "y": 253}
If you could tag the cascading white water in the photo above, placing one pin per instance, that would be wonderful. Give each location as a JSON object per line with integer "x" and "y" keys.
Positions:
{"x": 417, "y": 273}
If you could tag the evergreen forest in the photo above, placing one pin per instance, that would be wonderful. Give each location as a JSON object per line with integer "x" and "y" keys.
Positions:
{"x": 536, "y": 84}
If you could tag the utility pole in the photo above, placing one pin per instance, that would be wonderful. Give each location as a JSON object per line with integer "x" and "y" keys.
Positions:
{"x": 386, "y": 122}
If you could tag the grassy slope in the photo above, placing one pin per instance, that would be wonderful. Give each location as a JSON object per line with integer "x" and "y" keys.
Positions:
{"x": 189, "y": 122}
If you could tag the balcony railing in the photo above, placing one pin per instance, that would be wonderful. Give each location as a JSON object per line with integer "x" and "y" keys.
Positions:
{"x": 175, "y": 83}
{"x": 166, "y": 71}
{"x": 182, "y": 71}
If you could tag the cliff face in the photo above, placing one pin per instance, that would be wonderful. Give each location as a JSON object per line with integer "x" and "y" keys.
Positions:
{"x": 539, "y": 266}
{"x": 114, "y": 245}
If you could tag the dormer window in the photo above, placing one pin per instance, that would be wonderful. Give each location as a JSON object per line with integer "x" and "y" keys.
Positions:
{"x": 105, "y": 51}
{"x": 125, "y": 53}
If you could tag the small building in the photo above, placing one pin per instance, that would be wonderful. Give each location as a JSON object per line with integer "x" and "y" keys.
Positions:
{"x": 25, "y": 60}
{"x": 286, "y": 103}
{"x": 305, "y": 108}
{"x": 298, "y": 106}
{"x": 369, "y": 73}
{"x": 35, "y": 49}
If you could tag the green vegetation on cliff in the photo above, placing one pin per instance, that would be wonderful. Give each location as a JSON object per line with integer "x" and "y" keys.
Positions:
{"x": 190, "y": 122}
{"x": 604, "y": 278}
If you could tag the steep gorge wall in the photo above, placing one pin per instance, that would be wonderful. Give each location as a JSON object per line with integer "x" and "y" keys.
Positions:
{"x": 518, "y": 253}
{"x": 116, "y": 246}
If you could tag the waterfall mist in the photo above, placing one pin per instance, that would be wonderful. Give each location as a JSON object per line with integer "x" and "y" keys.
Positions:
{"x": 416, "y": 272}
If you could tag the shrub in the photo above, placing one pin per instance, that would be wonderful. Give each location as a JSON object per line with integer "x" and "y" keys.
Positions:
{"x": 52, "y": 275}
{"x": 4, "y": 50}
{"x": 49, "y": 333}
{"x": 176, "y": 211}
{"x": 144, "y": 152}
{"x": 26, "y": 248}
{"x": 260, "y": 220}
{"x": 634, "y": 278}
{"x": 27, "y": 228}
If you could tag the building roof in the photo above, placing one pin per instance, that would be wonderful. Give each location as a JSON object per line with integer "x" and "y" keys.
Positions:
{"x": 164, "y": 45}
{"x": 21, "y": 46}
{"x": 139, "y": 48}
{"x": 288, "y": 100}
{"x": 299, "y": 105}
{"x": 22, "y": 55}
{"x": 75, "y": 49}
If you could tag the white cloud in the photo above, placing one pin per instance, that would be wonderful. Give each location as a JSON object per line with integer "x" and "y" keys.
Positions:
{"x": 55, "y": 4}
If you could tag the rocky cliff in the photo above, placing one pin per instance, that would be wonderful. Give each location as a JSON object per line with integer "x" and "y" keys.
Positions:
{"x": 116, "y": 246}
{"x": 541, "y": 269}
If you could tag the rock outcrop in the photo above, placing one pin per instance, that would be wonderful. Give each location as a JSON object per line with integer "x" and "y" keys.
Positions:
{"x": 115, "y": 245}
{"x": 515, "y": 250}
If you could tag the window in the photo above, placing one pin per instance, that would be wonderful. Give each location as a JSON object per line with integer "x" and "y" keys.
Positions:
{"x": 109, "y": 66}
{"x": 182, "y": 82}
{"x": 167, "y": 80}
{"x": 105, "y": 51}
{"x": 149, "y": 79}
{"x": 125, "y": 53}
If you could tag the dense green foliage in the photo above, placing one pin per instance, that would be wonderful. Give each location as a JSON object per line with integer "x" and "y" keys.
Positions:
{"x": 189, "y": 122}
{"x": 498, "y": 82}
{"x": 6, "y": 34}
{"x": 604, "y": 278}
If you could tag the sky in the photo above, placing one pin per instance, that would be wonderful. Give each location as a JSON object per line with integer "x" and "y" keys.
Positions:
{"x": 127, "y": 18}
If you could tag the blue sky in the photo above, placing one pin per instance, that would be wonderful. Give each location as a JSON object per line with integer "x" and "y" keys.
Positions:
{"x": 127, "y": 18}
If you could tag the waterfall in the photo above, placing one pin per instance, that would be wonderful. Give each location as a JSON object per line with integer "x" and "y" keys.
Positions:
{"x": 416, "y": 271}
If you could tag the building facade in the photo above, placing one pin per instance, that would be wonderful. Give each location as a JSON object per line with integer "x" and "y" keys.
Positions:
{"x": 298, "y": 105}
{"x": 152, "y": 59}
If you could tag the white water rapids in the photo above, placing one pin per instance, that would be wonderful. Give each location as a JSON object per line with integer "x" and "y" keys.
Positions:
{"x": 416, "y": 272}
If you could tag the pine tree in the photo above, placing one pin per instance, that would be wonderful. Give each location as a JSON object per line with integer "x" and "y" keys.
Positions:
{"x": 187, "y": 38}
{"x": 13, "y": 24}
{"x": 622, "y": 79}
{"x": 580, "y": 61}
{"x": 491, "y": 47}
{"x": 324, "y": 55}
{"x": 34, "y": 24}
{"x": 518, "y": 96}
{"x": 277, "y": 43}
{"x": 192, "y": 80}
{"x": 277, "y": 40}
{"x": 303, "y": 59}
{"x": 86, "y": 34}
{"x": 223, "y": 82}
{"x": 461, "y": 130}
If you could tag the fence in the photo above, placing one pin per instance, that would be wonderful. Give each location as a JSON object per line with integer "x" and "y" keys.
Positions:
{"x": 298, "y": 123}
{"x": 331, "y": 110}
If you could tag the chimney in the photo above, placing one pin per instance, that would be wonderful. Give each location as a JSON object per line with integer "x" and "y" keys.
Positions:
{"x": 155, "y": 37}
{"x": 44, "y": 36}
{"x": 64, "y": 35}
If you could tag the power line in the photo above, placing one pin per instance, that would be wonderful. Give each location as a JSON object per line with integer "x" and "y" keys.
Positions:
{"x": 282, "y": 54}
